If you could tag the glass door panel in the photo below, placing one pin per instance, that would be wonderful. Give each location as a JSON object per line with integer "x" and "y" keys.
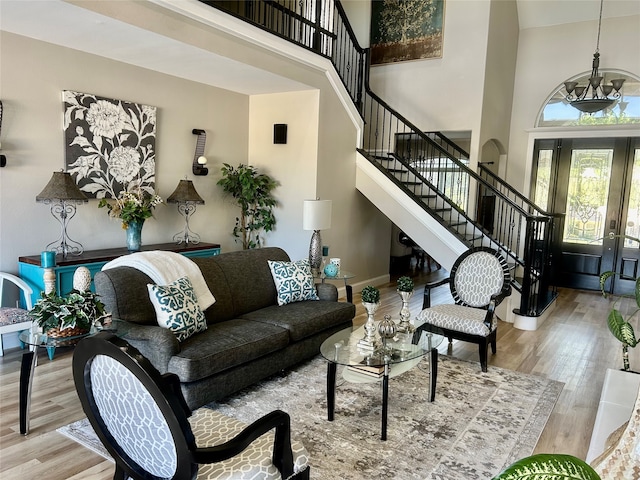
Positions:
{"x": 632, "y": 223}
{"x": 587, "y": 193}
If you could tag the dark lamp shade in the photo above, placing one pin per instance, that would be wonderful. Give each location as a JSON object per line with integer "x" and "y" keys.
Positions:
{"x": 185, "y": 192}
{"x": 61, "y": 187}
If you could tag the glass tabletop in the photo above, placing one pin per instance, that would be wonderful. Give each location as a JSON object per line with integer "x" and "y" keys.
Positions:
{"x": 343, "y": 275}
{"x": 344, "y": 347}
{"x": 43, "y": 340}
{"x": 38, "y": 339}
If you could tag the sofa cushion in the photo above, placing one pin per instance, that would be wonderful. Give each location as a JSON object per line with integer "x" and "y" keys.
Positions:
{"x": 304, "y": 319}
{"x": 124, "y": 292}
{"x": 216, "y": 281}
{"x": 225, "y": 345}
{"x": 177, "y": 308}
{"x": 294, "y": 281}
{"x": 249, "y": 278}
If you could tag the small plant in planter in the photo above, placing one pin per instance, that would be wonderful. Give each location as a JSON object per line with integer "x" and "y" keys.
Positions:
{"x": 618, "y": 326}
{"x": 405, "y": 289}
{"x": 370, "y": 301}
{"x": 67, "y": 316}
{"x": 370, "y": 294}
{"x": 405, "y": 284}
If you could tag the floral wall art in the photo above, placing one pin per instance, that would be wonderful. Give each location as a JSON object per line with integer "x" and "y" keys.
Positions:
{"x": 110, "y": 145}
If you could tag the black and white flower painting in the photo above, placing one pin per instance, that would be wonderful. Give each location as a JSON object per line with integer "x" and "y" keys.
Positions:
{"x": 110, "y": 144}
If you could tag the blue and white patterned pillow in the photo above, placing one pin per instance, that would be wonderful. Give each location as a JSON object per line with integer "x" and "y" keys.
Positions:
{"x": 294, "y": 281}
{"x": 177, "y": 308}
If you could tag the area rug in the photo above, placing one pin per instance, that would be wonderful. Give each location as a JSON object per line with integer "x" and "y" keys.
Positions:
{"x": 478, "y": 424}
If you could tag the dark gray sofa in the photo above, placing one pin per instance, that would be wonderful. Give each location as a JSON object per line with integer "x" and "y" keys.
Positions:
{"x": 248, "y": 338}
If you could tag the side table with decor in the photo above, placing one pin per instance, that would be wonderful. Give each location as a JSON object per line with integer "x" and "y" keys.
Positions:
{"x": 30, "y": 268}
{"x": 339, "y": 275}
{"x": 37, "y": 340}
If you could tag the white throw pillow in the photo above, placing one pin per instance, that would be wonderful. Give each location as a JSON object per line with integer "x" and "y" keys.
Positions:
{"x": 294, "y": 281}
{"x": 177, "y": 308}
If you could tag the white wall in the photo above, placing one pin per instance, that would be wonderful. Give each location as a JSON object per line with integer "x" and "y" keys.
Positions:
{"x": 546, "y": 58}
{"x": 293, "y": 165}
{"x": 33, "y": 76}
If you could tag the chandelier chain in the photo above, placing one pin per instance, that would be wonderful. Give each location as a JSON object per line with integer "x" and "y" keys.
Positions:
{"x": 599, "y": 25}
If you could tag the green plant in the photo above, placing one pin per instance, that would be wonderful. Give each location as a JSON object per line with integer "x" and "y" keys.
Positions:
{"x": 548, "y": 466}
{"x": 131, "y": 206}
{"x": 370, "y": 294}
{"x": 78, "y": 309}
{"x": 405, "y": 284}
{"x": 618, "y": 326}
{"x": 251, "y": 192}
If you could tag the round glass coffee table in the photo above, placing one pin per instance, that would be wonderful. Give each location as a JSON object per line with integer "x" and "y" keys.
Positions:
{"x": 400, "y": 354}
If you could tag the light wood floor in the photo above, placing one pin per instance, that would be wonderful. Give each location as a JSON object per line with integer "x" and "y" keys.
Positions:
{"x": 573, "y": 346}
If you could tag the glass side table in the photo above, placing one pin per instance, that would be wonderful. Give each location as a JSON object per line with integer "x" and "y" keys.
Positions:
{"x": 34, "y": 341}
{"x": 400, "y": 354}
{"x": 344, "y": 276}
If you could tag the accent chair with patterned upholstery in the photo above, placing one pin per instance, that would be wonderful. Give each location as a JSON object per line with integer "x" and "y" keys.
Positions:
{"x": 145, "y": 424}
{"x": 14, "y": 319}
{"x": 479, "y": 280}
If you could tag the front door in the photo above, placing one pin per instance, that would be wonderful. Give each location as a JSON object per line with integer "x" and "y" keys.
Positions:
{"x": 595, "y": 183}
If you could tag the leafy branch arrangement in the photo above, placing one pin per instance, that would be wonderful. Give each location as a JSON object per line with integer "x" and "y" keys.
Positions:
{"x": 618, "y": 326}
{"x": 77, "y": 310}
{"x": 252, "y": 192}
{"x": 370, "y": 294}
{"x": 131, "y": 206}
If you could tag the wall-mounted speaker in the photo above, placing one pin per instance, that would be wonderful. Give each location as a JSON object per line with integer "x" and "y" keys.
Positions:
{"x": 280, "y": 133}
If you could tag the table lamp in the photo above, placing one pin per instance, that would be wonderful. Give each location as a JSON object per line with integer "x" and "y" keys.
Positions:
{"x": 187, "y": 198}
{"x": 63, "y": 195}
{"x": 316, "y": 216}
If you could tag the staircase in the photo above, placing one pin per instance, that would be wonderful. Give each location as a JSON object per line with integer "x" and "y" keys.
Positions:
{"x": 420, "y": 180}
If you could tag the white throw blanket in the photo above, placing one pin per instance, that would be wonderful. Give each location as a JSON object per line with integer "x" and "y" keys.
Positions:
{"x": 166, "y": 267}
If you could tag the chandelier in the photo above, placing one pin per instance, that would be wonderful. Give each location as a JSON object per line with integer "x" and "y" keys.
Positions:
{"x": 595, "y": 96}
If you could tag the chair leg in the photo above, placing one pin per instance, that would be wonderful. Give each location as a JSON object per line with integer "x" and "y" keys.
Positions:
{"x": 493, "y": 346}
{"x": 483, "y": 347}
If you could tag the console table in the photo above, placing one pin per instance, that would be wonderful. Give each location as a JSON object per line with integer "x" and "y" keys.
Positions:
{"x": 30, "y": 269}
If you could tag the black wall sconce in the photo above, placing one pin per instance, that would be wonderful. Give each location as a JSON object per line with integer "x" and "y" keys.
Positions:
{"x": 199, "y": 160}
{"x": 280, "y": 133}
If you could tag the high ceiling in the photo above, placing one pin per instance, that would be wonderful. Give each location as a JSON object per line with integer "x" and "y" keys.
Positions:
{"x": 66, "y": 24}
{"x": 543, "y": 13}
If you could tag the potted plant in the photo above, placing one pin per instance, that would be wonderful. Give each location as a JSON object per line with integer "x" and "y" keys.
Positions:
{"x": 67, "y": 316}
{"x": 370, "y": 301}
{"x": 405, "y": 290}
{"x": 252, "y": 192}
{"x": 620, "y": 327}
{"x": 405, "y": 284}
{"x": 370, "y": 294}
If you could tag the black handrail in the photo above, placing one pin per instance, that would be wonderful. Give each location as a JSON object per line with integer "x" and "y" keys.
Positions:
{"x": 427, "y": 165}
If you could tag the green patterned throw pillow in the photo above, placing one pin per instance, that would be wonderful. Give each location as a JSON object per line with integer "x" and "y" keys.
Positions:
{"x": 177, "y": 308}
{"x": 293, "y": 280}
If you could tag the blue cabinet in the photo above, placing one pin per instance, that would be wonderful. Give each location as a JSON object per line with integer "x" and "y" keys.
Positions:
{"x": 30, "y": 270}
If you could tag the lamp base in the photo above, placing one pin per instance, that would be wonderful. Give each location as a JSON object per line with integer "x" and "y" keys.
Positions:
{"x": 186, "y": 236}
{"x": 315, "y": 251}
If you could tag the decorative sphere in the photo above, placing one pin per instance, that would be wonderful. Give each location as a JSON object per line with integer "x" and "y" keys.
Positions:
{"x": 82, "y": 279}
{"x": 331, "y": 270}
{"x": 387, "y": 327}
